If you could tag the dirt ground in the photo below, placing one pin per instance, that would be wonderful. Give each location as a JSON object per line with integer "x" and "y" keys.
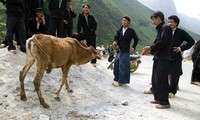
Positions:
{"x": 93, "y": 96}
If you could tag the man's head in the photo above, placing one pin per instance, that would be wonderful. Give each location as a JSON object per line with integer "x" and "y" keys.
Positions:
{"x": 86, "y": 8}
{"x": 157, "y": 18}
{"x": 69, "y": 3}
{"x": 39, "y": 13}
{"x": 126, "y": 21}
{"x": 173, "y": 21}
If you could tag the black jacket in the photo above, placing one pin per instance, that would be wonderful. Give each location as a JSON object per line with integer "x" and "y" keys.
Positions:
{"x": 124, "y": 41}
{"x": 68, "y": 16}
{"x": 33, "y": 5}
{"x": 55, "y": 9}
{"x": 161, "y": 46}
{"x": 32, "y": 28}
{"x": 82, "y": 26}
{"x": 196, "y": 51}
{"x": 14, "y": 7}
{"x": 178, "y": 39}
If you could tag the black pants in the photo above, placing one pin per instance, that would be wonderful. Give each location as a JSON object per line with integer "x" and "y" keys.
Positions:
{"x": 15, "y": 24}
{"x": 196, "y": 69}
{"x": 160, "y": 84}
{"x": 175, "y": 71}
{"x": 67, "y": 31}
{"x": 56, "y": 24}
{"x": 91, "y": 41}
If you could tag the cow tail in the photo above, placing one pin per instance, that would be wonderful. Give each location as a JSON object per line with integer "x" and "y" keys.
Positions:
{"x": 28, "y": 46}
{"x": 49, "y": 61}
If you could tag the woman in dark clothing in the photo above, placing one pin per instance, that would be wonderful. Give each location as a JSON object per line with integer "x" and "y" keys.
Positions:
{"x": 196, "y": 67}
{"x": 86, "y": 27}
{"x": 69, "y": 14}
{"x": 56, "y": 14}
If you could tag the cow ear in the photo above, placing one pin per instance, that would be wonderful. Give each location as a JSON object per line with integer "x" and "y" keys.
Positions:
{"x": 84, "y": 45}
{"x": 92, "y": 48}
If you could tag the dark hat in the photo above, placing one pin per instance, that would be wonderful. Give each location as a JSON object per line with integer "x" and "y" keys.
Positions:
{"x": 39, "y": 9}
{"x": 127, "y": 18}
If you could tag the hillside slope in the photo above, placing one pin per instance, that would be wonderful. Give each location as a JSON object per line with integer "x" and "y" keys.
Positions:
{"x": 190, "y": 24}
{"x": 108, "y": 14}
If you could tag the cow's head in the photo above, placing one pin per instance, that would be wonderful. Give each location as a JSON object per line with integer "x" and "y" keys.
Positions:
{"x": 95, "y": 54}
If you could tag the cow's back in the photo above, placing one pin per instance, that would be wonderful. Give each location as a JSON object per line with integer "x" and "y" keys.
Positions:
{"x": 59, "y": 50}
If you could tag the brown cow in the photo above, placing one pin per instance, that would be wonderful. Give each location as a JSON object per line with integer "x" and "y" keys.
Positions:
{"x": 52, "y": 52}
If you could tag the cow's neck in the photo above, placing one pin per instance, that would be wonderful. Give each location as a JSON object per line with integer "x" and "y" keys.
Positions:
{"x": 84, "y": 56}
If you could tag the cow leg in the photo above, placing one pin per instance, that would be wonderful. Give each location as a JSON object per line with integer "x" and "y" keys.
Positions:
{"x": 25, "y": 69}
{"x": 37, "y": 79}
{"x": 65, "y": 70}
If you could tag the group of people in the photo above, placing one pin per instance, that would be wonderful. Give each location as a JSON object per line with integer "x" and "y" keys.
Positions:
{"x": 54, "y": 17}
{"x": 167, "y": 50}
{"x": 27, "y": 17}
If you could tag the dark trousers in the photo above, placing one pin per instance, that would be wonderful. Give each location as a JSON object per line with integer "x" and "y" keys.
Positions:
{"x": 122, "y": 68}
{"x": 67, "y": 31}
{"x": 47, "y": 22}
{"x": 56, "y": 24}
{"x": 160, "y": 84}
{"x": 91, "y": 41}
{"x": 175, "y": 71}
{"x": 15, "y": 24}
{"x": 196, "y": 69}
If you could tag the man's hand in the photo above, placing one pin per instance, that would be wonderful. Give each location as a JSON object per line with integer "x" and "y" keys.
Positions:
{"x": 42, "y": 19}
{"x": 114, "y": 43}
{"x": 176, "y": 49}
{"x": 146, "y": 50}
{"x": 132, "y": 50}
{"x": 70, "y": 7}
{"x": 65, "y": 21}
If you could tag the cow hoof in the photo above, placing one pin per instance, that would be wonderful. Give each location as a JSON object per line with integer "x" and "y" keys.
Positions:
{"x": 57, "y": 98}
{"x": 48, "y": 71}
{"x": 23, "y": 98}
{"x": 45, "y": 105}
{"x": 70, "y": 90}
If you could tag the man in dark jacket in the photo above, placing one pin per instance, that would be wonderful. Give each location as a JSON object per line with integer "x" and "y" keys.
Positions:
{"x": 69, "y": 14}
{"x": 160, "y": 49}
{"x": 37, "y": 24}
{"x": 123, "y": 40}
{"x": 56, "y": 9}
{"x": 15, "y": 23}
{"x": 86, "y": 27}
{"x": 181, "y": 41}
